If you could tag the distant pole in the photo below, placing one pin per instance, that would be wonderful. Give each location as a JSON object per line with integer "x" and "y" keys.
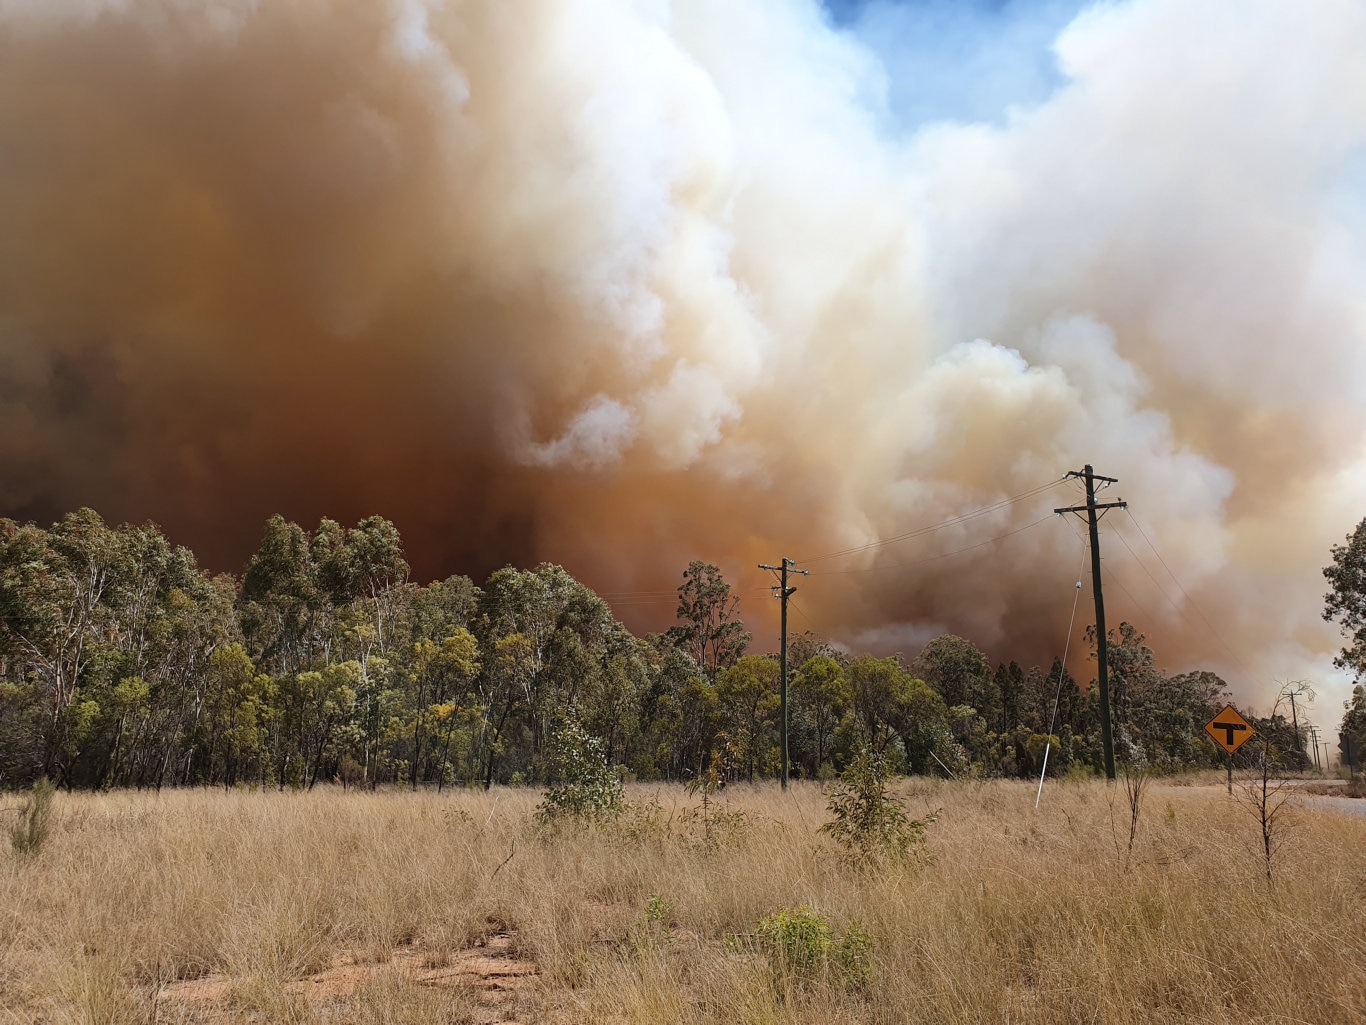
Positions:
{"x": 783, "y": 592}
{"x": 1093, "y": 513}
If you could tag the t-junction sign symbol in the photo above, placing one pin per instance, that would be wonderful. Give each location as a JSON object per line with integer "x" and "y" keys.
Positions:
{"x": 1229, "y": 729}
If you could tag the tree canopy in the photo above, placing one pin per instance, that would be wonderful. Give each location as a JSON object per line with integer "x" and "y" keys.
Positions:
{"x": 1345, "y": 602}
{"x": 123, "y": 663}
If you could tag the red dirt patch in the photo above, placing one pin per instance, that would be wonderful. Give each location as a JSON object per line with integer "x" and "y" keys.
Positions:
{"x": 490, "y": 974}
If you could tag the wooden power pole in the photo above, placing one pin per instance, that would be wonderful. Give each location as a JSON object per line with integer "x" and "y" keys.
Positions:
{"x": 1094, "y": 512}
{"x": 783, "y": 592}
{"x": 1298, "y": 688}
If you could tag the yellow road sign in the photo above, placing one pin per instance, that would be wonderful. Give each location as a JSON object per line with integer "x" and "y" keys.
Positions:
{"x": 1229, "y": 729}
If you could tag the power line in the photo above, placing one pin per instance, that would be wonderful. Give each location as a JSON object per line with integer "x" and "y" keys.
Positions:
{"x": 920, "y": 531}
{"x": 1110, "y": 575}
{"x": 1062, "y": 671}
{"x": 783, "y": 591}
{"x": 1094, "y": 511}
{"x": 1193, "y": 604}
{"x": 1160, "y": 590}
{"x": 798, "y": 609}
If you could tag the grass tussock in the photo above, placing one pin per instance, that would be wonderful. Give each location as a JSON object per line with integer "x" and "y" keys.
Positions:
{"x": 660, "y": 915}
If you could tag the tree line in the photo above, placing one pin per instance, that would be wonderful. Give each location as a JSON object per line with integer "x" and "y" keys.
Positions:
{"x": 124, "y": 664}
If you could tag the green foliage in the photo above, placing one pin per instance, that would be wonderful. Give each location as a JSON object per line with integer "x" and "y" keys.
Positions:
{"x": 879, "y": 689}
{"x": 710, "y": 628}
{"x": 720, "y": 826}
{"x": 820, "y": 697}
{"x": 659, "y": 910}
{"x": 958, "y": 670}
{"x": 798, "y": 941}
{"x": 748, "y": 695}
{"x": 854, "y": 956}
{"x": 869, "y": 823}
{"x": 29, "y": 832}
{"x": 708, "y": 783}
{"x": 802, "y": 946}
{"x": 1352, "y": 732}
{"x": 1345, "y": 601}
{"x": 122, "y": 663}
{"x": 583, "y": 786}
{"x": 1078, "y": 772}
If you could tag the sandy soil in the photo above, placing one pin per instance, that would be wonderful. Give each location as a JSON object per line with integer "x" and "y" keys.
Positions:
{"x": 490, "y": 977}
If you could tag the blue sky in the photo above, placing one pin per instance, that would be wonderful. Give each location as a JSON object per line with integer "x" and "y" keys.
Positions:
{"x": 963, "y": 60}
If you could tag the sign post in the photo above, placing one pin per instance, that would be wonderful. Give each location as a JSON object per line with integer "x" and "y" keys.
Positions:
{"x": 1230, "y": 731}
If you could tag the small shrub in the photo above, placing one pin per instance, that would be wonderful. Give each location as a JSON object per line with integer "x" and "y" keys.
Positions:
{"x": 30, "y": 829}
{"x": 802, "y": 946}
{"x": 640, "y": 824}
{"x": 1077, "y": 772}
{"x": 659, "y": 910}
{"x": 870, "y": 823}
{"x": 651, "y": 932}
{"x": 798, "y": 941}
{"x": 854, "y": 956}
{"x": 720, "y": 827}
{"x": 583, "y": 785}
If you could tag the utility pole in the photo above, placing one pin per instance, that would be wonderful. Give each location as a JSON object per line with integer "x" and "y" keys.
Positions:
{"x": 1292, "y": 690}
{"x": 1314, "y": 741}
{"x": 783, "y": 592}
{"x": 1093, "y": 513}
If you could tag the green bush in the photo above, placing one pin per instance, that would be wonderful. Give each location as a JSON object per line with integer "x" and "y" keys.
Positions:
{"x": 854, "y": 956}
{"x": 659, "y": 910}
{"x": 30, "y": 829}
{"x": 721, "y": 827}
{"x": 869, "y": 823}
{"x": 797, "y": 941}
{"x": 802, "y": 946}
{"x": 582, "y": 785}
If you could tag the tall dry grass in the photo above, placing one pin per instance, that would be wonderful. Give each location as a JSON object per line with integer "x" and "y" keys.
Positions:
{"x": 1015, "y": 917}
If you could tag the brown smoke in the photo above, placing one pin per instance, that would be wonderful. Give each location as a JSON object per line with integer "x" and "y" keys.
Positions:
{"x": 619, "y": 286}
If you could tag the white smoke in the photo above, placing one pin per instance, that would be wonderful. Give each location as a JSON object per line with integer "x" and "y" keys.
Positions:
{"x": 677, "y": 280}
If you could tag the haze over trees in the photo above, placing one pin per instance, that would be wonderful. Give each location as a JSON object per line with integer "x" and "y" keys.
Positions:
{"x": 123, "y": 663}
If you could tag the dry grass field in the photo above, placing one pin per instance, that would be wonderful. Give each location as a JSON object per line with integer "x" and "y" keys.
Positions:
{"x": 397, "y": 907}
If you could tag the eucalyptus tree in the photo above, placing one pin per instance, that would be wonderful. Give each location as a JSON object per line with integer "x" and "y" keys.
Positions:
{"x": 958, "y": 670}
{"x": 1345, "y": 602}
{"x": 442, "y": 675}
{"x": 58, "y": 601}
{"x": 747, "y": 693}
{"x": 281, "y": 601}
{"x": 878, "y": 690}
{"x": 821, "y": 693}
{"x": 710, "y": 627}
{"x": 567, "y": 631}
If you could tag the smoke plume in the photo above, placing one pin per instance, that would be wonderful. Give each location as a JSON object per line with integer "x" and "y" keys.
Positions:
{"x": 618, "y": 285}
